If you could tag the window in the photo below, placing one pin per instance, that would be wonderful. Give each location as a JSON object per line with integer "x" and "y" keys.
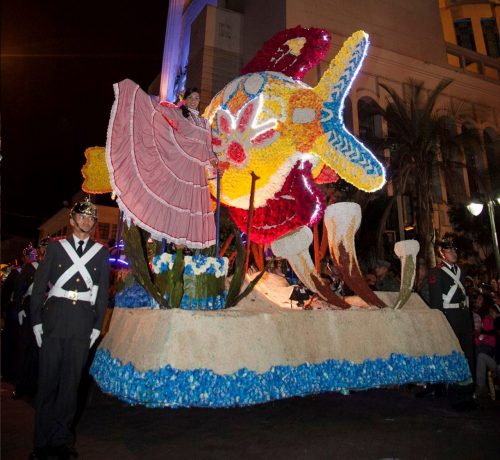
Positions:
{"x": 464, "y": 34}
{"x": 473, "y": 166}
{"x": 455, "y": 187}
{"x": 408, "y": 216}
{"x": 225, "y": 31}
{"x": 370, "y": 123}
{"x": 103, "y": 231}
{"x": 490, "y": 34}
{"x": 114, "y": 231}
{"x": 436, "y": 186}
{"x": 472, "y": 173}
{"x": 492, "y": 147}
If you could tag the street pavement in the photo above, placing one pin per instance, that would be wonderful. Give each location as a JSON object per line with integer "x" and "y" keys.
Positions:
{"x": 374, "y": 424}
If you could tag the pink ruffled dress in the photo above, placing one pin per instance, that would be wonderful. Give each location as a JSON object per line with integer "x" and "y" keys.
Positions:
{"x": 157, "y": 159}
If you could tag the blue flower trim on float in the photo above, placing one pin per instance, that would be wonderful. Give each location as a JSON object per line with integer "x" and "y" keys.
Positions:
{"x": 217, "y": 302}
{"x": 170, "y": 387}
{"x": 135, "y": 296}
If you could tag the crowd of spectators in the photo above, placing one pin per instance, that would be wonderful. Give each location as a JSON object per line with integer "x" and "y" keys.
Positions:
{"x": 485, "y": 309}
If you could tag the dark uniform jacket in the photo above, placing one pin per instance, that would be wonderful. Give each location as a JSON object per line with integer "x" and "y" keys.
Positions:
{"x": 22, "y": 284}
{"x": 62, "y": 317}
{"x": 440, "y": 283}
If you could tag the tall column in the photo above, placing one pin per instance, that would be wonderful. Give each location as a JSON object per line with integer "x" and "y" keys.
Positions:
{"x": 177, "y": 38}
{"x": 170, "y": 63}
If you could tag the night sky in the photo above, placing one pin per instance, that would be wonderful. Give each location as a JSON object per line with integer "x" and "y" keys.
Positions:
{"x": 59, "y": 62}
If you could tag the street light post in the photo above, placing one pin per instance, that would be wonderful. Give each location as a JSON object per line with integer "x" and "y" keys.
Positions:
{"x": 475, "y": 209}
{"x": 494, "y": 236}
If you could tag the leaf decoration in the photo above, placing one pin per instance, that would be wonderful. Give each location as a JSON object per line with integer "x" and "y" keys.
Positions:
{"x": 161, "y": 281}
{"x": 233, "y": 293}
{"x": 205, "y": 286}
{"x": 174, "y": 281}
{"x": 238, "y": 275}
{"x": 140, "y": 269}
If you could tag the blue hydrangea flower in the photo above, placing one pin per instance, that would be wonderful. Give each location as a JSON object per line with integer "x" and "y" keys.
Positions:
{"x": 170, "y": 387}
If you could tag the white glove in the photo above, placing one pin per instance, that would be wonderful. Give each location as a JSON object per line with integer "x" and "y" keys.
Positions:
{"x": 20, "y": 316}
{"x": 38, "y": 331}
{"x": 94, "y": 336}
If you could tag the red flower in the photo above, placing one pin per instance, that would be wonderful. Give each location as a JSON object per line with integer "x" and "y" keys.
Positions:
{"x": 216, "y": 141}
{"x": 275, "y": 54}
{"x": 236, "y": 152}
{"x": 263, "y": 137}
{"x": 298, "y": 203}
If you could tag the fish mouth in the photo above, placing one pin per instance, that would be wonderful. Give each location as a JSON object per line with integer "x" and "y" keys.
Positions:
{"x": 299, "y": 202}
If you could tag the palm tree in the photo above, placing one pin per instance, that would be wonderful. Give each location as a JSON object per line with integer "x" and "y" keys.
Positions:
{"x": 420, "y": 139}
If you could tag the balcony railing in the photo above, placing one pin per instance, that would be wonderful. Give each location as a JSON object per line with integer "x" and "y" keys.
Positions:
{"x": 473, "y": 62}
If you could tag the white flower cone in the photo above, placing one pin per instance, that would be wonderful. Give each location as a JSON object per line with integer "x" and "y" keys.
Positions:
{"x": 407, "y": 251}
{"x": 342, "y": 222}
{"x": 294, "y": 247}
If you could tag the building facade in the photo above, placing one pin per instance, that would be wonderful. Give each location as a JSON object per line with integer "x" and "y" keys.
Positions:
{"x": 427, "y": 41}
{"x": 105, "y": 231}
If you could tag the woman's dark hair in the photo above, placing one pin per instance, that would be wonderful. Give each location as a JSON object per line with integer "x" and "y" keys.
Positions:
{"x": 189, "y": 91}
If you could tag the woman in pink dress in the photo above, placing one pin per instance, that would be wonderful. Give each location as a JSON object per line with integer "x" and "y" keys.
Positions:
{"x": 157, "y": 159}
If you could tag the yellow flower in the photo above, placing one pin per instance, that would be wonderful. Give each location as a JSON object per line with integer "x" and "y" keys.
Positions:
{"x": 95, "y": 171}
{"x": 296, "y": 45}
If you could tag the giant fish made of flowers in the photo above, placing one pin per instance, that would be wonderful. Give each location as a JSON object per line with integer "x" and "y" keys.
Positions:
{"x": 288, "y": 134}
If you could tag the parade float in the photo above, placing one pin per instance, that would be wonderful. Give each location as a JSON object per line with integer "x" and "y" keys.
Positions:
{"x": 187, "y": 334}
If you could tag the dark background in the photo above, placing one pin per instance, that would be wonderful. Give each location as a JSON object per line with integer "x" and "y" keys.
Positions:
{"x": 58, "y": 64}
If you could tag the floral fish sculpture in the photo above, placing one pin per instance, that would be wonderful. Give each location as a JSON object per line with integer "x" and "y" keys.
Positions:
{"x": 290, "y": 135}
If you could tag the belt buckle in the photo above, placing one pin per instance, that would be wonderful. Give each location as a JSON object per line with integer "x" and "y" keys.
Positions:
{"x": 73, "y": 295}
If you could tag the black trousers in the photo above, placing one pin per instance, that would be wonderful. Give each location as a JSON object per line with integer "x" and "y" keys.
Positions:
{"x": 60, "y": 370}
{"x": 27, "y": 360}
{"x": 9, "y": 337}
{"x": 461, "y": 323}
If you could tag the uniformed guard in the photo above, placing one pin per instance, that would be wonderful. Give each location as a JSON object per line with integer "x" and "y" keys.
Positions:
{"x": 447, "y": 293}
{"x": 27, "y": 353}
{"x": 66, "y": 322}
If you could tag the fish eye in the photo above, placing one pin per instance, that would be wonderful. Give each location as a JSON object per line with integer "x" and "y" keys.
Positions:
{"x": 303, "y": 115}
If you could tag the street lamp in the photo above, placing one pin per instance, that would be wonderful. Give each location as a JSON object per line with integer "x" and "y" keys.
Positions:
{"x": 475, "y": 208}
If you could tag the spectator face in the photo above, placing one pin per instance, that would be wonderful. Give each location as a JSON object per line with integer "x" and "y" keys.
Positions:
{"x": 41, "y": 252}
{"x": 478, "y": 302}
{"x": 422, "y": 272}
{"x": 371, "y": 279}
{"x": 381, "y": 271}
{"x": 30, "y": 257}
